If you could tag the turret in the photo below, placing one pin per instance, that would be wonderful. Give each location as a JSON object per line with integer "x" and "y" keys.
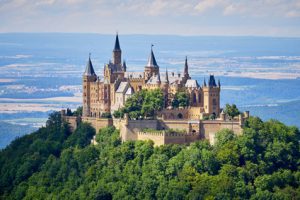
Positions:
{"x": 151, "y": 67}
{"x": 204, "y": 83}
{"x": 117, "y": 53}
{"x": 211, "y": 96}
{"x": 124, "y": 66}
{"x": 89, "y": 76}
{"x": 167, "y": 77}
{"x": 165, "y": 88}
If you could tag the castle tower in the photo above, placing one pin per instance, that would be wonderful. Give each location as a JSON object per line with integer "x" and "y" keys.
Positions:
{"x": 151, "y": 68}
{"x": 117, "y": 53}
{"x": 211, "y": 93}
{"x": 88, "y": 77}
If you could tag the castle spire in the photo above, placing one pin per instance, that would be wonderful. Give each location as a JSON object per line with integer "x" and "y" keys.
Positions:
{"x": 117, "y": 53}
{"x": 219, "y": 83}
{"x": 89, "y": 69}
{"x": 151, "y": 60}
{"x": 204, "y": 83}
{"x": 158, "y": 78}
{"x": 167, "y": 76}
{"x": 186, "y": 68}
{"x": 117, "y": 43}
{"x": 124, "y": 65}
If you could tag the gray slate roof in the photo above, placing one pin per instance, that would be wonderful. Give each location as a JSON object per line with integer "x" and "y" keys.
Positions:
{"x": 129, "y": 91}
{"x": 212, "y": 81}
{"x": 117, "y": 44}
{"x": 115, "y": 68}
{"x": 89, "y": 69}
{"x": 190, "y": 83}
{"x": 134, "y": 74}
{"x": 151, "y": 60}
{"x": 122, "y": 87}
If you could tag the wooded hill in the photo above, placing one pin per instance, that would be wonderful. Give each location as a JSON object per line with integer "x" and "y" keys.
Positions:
{"x": 52, "y": 163}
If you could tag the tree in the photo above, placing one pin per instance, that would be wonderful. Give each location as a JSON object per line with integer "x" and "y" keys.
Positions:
{"x": 78, "y": 111}
{"x": 212, "y": 116}
{"x": 262, "y": 163}
{"x": 106, "y": 115}
{"x": 231, "y": 110}
{"x": 181, "y": 99}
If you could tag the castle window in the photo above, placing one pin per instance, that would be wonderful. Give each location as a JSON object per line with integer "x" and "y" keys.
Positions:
{"x": 194, "y": 98}
{"x": 180, "y": 116}
{"x": 214, "y": 102}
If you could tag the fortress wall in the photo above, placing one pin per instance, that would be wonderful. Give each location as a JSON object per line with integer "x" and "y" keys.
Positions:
{"x": 209, "y": 128}
{"x": 192, "y": 138}
{"x": 130, "y": 129}
{"x": 98, "y": 123}
{"x": 175, "y": 138}
{"x": 173, "y": 124}
{"x": 157, "y": 137}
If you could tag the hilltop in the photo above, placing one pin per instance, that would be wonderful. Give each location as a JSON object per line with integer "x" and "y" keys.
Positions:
{"x": 263, "y": 163}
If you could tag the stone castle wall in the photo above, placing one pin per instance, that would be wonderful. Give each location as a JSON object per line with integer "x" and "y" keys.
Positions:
{"x": 195, "y": 130}
{"x": 98, "y": 123}
{"x": 132, "y": 130}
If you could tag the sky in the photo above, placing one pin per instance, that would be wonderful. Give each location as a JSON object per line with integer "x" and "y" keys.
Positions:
{"x": 176, "y": 17}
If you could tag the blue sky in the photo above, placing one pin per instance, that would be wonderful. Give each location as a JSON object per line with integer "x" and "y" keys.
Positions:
{"x": 180, "y": 17}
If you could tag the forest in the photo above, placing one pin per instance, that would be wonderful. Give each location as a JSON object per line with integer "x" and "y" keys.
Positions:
{"x": 53, "y": 163}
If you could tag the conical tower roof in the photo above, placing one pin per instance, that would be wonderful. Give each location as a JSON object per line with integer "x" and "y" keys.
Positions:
{"x": 151, "y": 60}
{"x": 89, "y": 69}
{"x": 212, "y": 81}
{"x": 186, "y": 67}
{"x": 117, "y": 44}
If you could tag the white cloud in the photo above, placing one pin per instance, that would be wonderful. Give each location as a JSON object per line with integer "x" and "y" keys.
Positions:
{"x": 157, "y": 16}
{"x": 205, "y": 5}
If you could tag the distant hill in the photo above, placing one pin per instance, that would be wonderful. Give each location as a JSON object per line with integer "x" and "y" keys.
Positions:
{"x": 53, "y": 163}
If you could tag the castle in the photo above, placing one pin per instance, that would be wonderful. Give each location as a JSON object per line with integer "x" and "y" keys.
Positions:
{"x": 108, "y": 94}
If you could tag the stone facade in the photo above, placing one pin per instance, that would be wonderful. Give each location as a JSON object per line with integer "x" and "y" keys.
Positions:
{"x": 107, "y": 94}
{"x": 188, "y": 130}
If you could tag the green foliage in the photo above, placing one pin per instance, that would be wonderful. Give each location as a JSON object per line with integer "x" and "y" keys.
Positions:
{"x": 81, "y": 137}
{"x": 142, "y": 104}
{"x": 263, "y": 163}
{"x": 181, "y": 99}
{"x": 78, "y": 111}
{"x": 106, "y": 115}
{"x": 231, "y": 110}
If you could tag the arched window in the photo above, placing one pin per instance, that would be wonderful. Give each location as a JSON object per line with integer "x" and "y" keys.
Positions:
{"x": 180, "y": 116}
{"x": 214, "y": 102}
{"x": 194, "y": 98}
